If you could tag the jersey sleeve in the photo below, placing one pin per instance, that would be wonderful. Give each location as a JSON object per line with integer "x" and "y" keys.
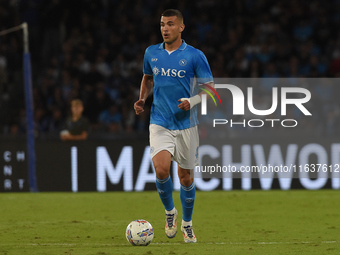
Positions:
{"x": 146, "y": 64}
{"x": 202, "y": 68}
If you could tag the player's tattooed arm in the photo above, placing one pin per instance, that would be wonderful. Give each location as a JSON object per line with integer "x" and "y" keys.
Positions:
{"x": 145, "y": 89}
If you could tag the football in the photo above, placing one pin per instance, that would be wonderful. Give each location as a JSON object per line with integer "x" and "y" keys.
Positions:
{"x": 139, "y": 232}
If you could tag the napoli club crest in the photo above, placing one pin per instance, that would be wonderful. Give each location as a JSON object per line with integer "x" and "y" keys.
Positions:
{"x": 182, "y": 62}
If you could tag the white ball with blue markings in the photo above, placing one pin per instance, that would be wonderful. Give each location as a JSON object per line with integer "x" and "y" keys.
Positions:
{"x": 139, "y": 232}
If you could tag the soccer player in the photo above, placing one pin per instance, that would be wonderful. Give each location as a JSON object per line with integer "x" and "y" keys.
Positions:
{"x": 168, "y": 69}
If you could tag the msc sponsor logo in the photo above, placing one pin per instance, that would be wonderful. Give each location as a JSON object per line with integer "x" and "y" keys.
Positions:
{"x": 169, "y": 72}
{"x": 173, "y": 73}
{"x": 155, "y": 70}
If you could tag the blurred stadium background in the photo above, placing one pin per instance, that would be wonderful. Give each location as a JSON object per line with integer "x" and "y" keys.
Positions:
{"x": 93, "y": 50}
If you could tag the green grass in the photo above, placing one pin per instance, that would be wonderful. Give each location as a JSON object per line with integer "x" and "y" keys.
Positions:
{"x": 238, "y": 222}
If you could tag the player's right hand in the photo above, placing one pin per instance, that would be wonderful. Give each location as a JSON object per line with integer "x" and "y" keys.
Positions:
{"x": 139, "y": 106}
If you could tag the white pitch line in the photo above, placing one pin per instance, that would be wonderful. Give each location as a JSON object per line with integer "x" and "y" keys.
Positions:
{"x": 178, "y": 243}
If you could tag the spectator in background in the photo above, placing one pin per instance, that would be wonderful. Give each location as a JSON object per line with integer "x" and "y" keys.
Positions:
{"x": 76, "y": 127}
{"x": 98, "y": 102}
{"x": 110, "y": 120}
{"x": 55, "y": 120}
{"x": 51, "y": 17}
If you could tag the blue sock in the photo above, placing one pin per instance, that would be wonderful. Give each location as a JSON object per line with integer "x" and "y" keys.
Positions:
{"x": 187, "y": 195}
{"x": 164, "y": 188}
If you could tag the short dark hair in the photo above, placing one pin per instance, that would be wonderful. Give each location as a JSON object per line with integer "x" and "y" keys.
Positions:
{"x": 173, "y": 12}
{"x": 76, "y": 102}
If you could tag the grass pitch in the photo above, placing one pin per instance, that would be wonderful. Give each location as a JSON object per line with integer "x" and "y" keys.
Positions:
{"x": 237, "y": 222}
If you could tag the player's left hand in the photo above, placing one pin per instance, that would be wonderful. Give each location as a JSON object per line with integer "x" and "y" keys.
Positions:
{"x": 185, "y": 105}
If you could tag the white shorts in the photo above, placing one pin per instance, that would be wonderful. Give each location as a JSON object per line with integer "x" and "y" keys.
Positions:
{"x": 182, "y": 144}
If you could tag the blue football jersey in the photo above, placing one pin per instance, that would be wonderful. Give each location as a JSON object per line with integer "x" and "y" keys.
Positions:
{"x": 172, "y": 74}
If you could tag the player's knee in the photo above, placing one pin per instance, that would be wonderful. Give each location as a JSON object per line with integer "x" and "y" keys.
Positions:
{"x": 186, "y": 180}
{"x": 161, "y": 172}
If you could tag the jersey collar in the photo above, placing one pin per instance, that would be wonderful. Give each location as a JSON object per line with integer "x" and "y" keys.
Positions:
{"x": 182, "y": 47}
